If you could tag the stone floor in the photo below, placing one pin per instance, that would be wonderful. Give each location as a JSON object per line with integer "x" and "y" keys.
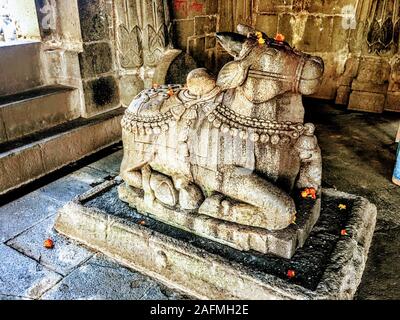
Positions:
{"x": 359, "y": 154}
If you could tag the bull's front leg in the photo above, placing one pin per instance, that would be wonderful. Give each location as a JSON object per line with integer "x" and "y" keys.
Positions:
{"x": 310, "y": 175}
{"x": 263, "y": 204}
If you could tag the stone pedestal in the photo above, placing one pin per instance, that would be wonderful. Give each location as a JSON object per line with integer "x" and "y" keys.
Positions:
{"x": 281, "y": 243}
{"x": 328, "y": 266}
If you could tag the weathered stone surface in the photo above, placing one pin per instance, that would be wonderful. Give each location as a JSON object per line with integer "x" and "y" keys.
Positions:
{"x": 80, "y": 143}
{"x": 184, "y": 30}
{"x": 381, "y": 281}
{"x": 102, "y": 279}
{"x": 96, "y": 59}
{"x": 12, "y": 298}
{"x": 110, "y": 164}
{"x": 20, "y": 69}
{"x": 35, "y": 159}
{"x": 47, "y": 107}
{"x": 269, "y": 24}
{"x": 173, "y": 68}
{"x": 314, "y": 36}
{"x": 326, "y": 7}
{"x": 65, "y": 256}
{"x": 25, "y": 212}
{"x": 282, "y": 243}
{"x": 367, "y": 140}
{"x": 3, "y": 135}
{"x": 208, "y": 270}
{"x": 94, "y": 20}
{"x": 274, "y": 6}
{"x": 64, "y": 189}
{"x": 20, "y": 166}
{"x": 90, "y": 176}
{"x": 343, "y": 95}
{"x": 130, "y": 86}
{"x": 23, "y": 277}
{"x": 101, "y": 94}
{"x": 367, "y": 101}
{"x": 393, "y": 101}
{"x": 205, "y": 25}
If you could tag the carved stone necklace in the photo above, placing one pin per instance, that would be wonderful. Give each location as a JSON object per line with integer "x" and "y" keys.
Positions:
{"x": 220, "y": 116}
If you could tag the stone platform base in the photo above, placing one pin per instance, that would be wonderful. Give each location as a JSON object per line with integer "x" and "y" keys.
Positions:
{"x": 329, "y": 266}
{"x": 282, "y": 243}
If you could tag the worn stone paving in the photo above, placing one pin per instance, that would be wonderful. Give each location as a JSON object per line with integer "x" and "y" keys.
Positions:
{"x": 69, "y": 271}
{"x": 359, "y": 154}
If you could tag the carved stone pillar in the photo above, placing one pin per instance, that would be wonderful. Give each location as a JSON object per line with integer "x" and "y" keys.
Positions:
{"x": 375, "y": 85}
{"x": 144, "y": 45}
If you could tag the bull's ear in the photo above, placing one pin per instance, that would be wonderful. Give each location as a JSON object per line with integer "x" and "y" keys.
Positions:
{"x": 245, "y": 30}
{"x": 232, "y": 42}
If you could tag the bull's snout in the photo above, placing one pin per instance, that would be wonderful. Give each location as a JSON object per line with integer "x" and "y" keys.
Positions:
{"x": 312, "y": 75}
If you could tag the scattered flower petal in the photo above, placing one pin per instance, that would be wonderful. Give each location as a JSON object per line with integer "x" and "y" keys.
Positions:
{"x": 280, "y": 37}
{"x": 309, "y": 193}
{"x": 48, "y": 244}
{"x": 342, "y": 206}
{"x": 291, "y": 274}
{"x": 343, "y": 232}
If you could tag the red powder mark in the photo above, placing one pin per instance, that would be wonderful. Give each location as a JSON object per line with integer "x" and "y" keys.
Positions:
{"x": 198, "y": 7}
{"x": 180, "y": 5}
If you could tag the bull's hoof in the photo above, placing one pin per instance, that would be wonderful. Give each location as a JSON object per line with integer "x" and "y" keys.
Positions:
{"x": 164, "y": 189}
{"x": 190, "y": 197}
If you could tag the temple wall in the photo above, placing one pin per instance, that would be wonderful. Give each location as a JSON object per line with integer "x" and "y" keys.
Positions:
{"x": 357, "y": 39}
{"x": 111, "y": 49}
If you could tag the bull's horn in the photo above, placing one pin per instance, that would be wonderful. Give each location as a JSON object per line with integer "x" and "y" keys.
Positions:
{"x": 232, "y": 42}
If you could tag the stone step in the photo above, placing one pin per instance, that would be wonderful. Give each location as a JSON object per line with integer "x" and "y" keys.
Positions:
{"x": 31, "y": 157}
{"x": 20, "y": 66}
{"x": 37, "y": 109}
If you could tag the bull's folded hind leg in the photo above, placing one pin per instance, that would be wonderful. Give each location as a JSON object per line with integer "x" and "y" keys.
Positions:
{"x": 274, "y": 208}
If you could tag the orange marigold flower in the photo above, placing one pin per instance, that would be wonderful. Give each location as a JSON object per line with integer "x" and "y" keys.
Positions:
{"x": 312, "y": 193}
{"x": 309, "y": 193}
{"x": 48, "y": 244}
{"x": 291, "y": 274}
{"x": 343, "y": 232}
{"x": 280, "y": 37}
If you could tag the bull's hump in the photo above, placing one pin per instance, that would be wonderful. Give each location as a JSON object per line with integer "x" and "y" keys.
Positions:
{"x": 155, "y": 102}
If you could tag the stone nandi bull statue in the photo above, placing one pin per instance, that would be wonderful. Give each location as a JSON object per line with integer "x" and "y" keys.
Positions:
{"x": 232, "y": 148}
